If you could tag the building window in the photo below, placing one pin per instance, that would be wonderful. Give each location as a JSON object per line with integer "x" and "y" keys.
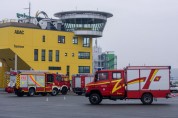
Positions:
{"x": 84, "y": 69}
{"x": 57, "y": 55}
{"x": 65, "y": 54}
{"x": 86, "y": 42}
{"x": 54, "y": 68}
{"x": 61, "y": 39}
{"x": 43, "y": 38}
{"x": 50, "y": 55}
{"x": 42, "y": 55}
{"x": 84, "y": 55}
{"x": 75, "y": 40}
{"x": 35, "y": 54}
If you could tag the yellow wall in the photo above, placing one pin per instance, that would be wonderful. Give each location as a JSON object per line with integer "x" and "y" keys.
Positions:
{"x": 32, "y": 39}
{"x": 3, "y": 69}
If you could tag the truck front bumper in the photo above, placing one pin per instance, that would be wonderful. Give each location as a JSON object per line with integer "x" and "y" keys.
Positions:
{"x": 78, "y": 90}
{"x": 19, "y": 90}
{"x": 87, "y": 94}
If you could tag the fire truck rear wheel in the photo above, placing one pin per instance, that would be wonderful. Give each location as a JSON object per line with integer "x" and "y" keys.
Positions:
{"x": 64, "y": 90}
{"x": 95, "y": 99}
{"x": 147, "y": 99}
{"x": 54, "y": 92}
{"x": 31, "y": 92}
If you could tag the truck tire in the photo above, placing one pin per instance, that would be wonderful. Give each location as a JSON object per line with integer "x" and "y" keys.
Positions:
{"x": 64, "y": 90}
{"x": 95, "y": 99}
{"x": 31, "y": 92}
{"x": 79, "y": 93}
{"x": 54, "y": 92}
{"x": 20, "y": 94}
{"x": 147, "y": 99}
{"x": 44, "y": 94}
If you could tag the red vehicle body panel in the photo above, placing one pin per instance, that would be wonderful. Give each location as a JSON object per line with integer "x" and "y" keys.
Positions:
{"x": 132, "y": 82}
{"x": 41, "y": 82}
{"x": 79, "y": 82}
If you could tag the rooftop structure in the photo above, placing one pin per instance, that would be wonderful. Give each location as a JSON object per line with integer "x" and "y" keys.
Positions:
{"x": 82, "y": 23}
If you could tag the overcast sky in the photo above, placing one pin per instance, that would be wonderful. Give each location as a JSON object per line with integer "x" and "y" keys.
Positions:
{"x": 141, "y": 32}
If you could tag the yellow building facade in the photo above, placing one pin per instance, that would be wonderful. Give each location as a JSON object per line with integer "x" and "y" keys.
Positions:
{"x": 62, "y": 45}
{"x": 44, "y": 50}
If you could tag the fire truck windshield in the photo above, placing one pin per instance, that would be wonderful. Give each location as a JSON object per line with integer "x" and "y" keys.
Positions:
{"x": 59, "y": 78}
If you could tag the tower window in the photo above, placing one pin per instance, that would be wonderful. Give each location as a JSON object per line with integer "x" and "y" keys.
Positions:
{"x": 75, "y": 40}
{"x": 61, "y": 39}
{"x": 86, "y": 42}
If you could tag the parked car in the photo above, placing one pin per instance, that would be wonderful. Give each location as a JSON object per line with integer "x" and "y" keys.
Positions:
{"x": 174, "y": 88}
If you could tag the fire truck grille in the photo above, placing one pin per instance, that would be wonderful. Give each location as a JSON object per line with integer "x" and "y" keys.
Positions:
{"x": 18, "y": 81}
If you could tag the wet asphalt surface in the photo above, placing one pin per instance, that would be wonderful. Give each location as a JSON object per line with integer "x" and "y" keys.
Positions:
{"x": 74, "y": 106}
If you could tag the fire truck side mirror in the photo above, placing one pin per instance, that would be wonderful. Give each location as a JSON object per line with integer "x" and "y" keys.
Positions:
{"x": 96, "y": 78}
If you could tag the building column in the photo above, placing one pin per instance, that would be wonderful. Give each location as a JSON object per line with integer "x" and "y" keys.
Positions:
{"x": 15, "y": 65}
{"x": 0, "y": 63}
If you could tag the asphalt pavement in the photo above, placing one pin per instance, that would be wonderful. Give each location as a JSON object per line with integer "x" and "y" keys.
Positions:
{"x": 74, "y": 106}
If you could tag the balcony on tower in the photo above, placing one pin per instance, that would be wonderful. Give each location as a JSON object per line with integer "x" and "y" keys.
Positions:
{"x": 84, "y": 23}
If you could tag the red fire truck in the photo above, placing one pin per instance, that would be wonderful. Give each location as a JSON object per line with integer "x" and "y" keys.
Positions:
{"x": 10, "y": 79}
{"x": 31, "y": 83}
{"x": 134, "y": 82}
{"x": 79, "y": 81}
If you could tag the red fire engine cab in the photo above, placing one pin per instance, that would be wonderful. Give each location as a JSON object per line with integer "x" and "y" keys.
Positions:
{"x": 31, "y": 83}
{"x": 134, "y": 82}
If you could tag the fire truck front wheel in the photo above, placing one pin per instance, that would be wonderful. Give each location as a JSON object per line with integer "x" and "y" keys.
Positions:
{"x": 54, "y": 92}
{"x": 147, "y": 98}
{"x": 20, "y": 94}
{"x": 79, "y": 93}
{"x": 95, "y": 99}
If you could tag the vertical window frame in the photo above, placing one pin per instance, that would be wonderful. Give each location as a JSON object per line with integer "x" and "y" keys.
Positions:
{"x": 35, "y": 54}
{"x": 43, "y": 55}
{"x": 57, "y": 55}
{"x": 86, "y": 41}
{"x": 50, "y": 55}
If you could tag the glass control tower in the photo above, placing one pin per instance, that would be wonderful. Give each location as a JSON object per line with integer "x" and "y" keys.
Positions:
{"x": 84, "y": 23}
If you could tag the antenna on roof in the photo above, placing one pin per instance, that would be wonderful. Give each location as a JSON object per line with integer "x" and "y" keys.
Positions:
{"x": 29, "y": 8}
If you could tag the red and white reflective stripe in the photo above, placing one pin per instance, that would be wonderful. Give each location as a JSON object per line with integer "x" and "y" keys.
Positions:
{"x": 174, "y": 95}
